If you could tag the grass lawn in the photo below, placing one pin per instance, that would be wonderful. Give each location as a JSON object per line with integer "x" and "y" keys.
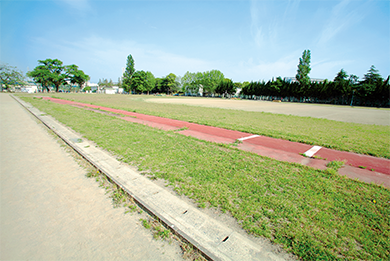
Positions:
{"x": 315, "y": 214}
{"x": 360, "y": 138}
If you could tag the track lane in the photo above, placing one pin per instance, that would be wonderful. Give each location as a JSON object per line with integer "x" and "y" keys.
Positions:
{"x": 262, "y": 145}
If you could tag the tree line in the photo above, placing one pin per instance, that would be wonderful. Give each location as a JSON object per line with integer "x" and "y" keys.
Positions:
{"x": 53, "y": 73}
{"x": 145, "y": 82}
{"x": 372, "y": 90}
{"x": 49, "y": 73}
{"x": 345, "y": 89}
{"x": 208, "y": 83}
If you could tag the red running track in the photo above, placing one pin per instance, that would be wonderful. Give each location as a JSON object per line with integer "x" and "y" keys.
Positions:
{"x": 266, "y": 146}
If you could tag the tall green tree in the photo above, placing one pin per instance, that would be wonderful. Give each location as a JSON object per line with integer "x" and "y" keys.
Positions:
{"x": 210, "y": 80}
{"x": 304, "y": 69}
{"x": 128, "y": 74}
{"x": 138, "y": 82}
{"x": 341, "y": 84}
{"x": 76, "y": 76}
{"x": 226, "y": 86}
{"x": 56, "y": 69}
{"x": 40, "y": 75}
{"x": 10, "y": 76}
{"x": 341, "y": 76}
{"x": 150, "y": 82}
{"x": 169, "y": 83}
{"x": 191, "y": 82}
{"x": 374, "y": 87}
{"x": 179, "y": 85}
{"x": 50, "y": 72}
{"x": 158, "y": 86}
{"x": 238, "y": 85}
{"x": 353, "y": 79}
{"x": 187, "y": 80}
{"x": 371, "y": 80}
{"x": 372, "y": 76}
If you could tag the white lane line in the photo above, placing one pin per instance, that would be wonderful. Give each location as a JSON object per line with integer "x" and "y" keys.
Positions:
{"x": 312, "y": 151}
{"x": 249, "y": 137}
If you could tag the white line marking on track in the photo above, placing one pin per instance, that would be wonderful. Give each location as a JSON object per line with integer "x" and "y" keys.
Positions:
{"x": 249, "y": 137}
{"x": 312, "y": 151}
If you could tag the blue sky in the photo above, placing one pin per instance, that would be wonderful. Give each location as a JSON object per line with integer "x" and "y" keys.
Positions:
{"x": 245, "y": 40}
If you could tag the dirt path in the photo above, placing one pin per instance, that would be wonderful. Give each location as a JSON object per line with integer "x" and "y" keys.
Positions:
{"x": 51, "y": 211}
{"x": 337, "y": 113}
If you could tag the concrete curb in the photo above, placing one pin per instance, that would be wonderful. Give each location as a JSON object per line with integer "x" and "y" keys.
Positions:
{"x": 210, "y": 236}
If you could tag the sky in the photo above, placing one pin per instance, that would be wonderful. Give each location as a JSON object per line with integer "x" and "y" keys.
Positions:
{"x": 245, "y": 40}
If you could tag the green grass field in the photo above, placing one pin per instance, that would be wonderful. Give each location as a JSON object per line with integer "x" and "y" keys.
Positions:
{"x": 360, "y": 138}
{"x": 317, "y": 215}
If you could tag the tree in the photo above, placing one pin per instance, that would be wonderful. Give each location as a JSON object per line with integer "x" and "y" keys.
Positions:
{"x": 210, "y": 80}
{"x": 304, "y": 69}
{"x": 76, "y": 76}
{"x": 158, "y": 86}
{"x": 50, "y": 72}
{"x": 341, "y": 76}
{"x": 169, "y": 84}
{"x": 87, "y": 88}
{"x": 341, "y": 84}
{"x": 150, "y": 82}
{"x": 55, "y": 68}
{"x": 119, "y": 84}
{"x": 41, "y": 75}
{"x": 372, "y": 80}
{"x": 53, "y": 73}
{"x": 353, "y": 79}
{"x": 238, "y": 85}
{"x": 372, "y": 76}
{"x": 226, "y": 86}
{"x": 138, "y": 82}
{"x": 128, "y": 74}
{"x": 179, "y": 85}
{"x": 103, "y": 83}
{"x": 189, "y": 83}
{"x": 110, "y": 83}
{"x": 10, "y": 76}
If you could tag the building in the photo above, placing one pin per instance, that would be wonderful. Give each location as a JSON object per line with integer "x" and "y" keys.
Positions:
{"x": 113, "y": 90}
{"x": 293, "y": 79}
{"x": 109, "y": 90}
{"x": 29, "y": 88}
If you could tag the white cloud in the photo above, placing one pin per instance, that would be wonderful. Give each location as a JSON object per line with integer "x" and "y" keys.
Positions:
{"x": 79, "y": 5}
{"x": 254, "y": 71}
{"x": 256, "y": 30}
{"x": 105, "y": 58}
{"x": 291, "y": 10}
{"x": 271, "y": 21}
{"x": 342, "y": 17}
{"x": 328, "y": 69}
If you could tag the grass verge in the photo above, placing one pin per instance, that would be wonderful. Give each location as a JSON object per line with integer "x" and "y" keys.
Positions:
{"x": 312, "y": 213}
{"x": 360, "y": 138}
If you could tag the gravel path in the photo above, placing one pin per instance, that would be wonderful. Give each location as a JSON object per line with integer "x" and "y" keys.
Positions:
{"x": 49, "y": 209}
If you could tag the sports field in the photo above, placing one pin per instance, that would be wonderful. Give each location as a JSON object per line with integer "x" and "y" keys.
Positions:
{"x": 363, "y": 115}
{"x": 315, "y": 214}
